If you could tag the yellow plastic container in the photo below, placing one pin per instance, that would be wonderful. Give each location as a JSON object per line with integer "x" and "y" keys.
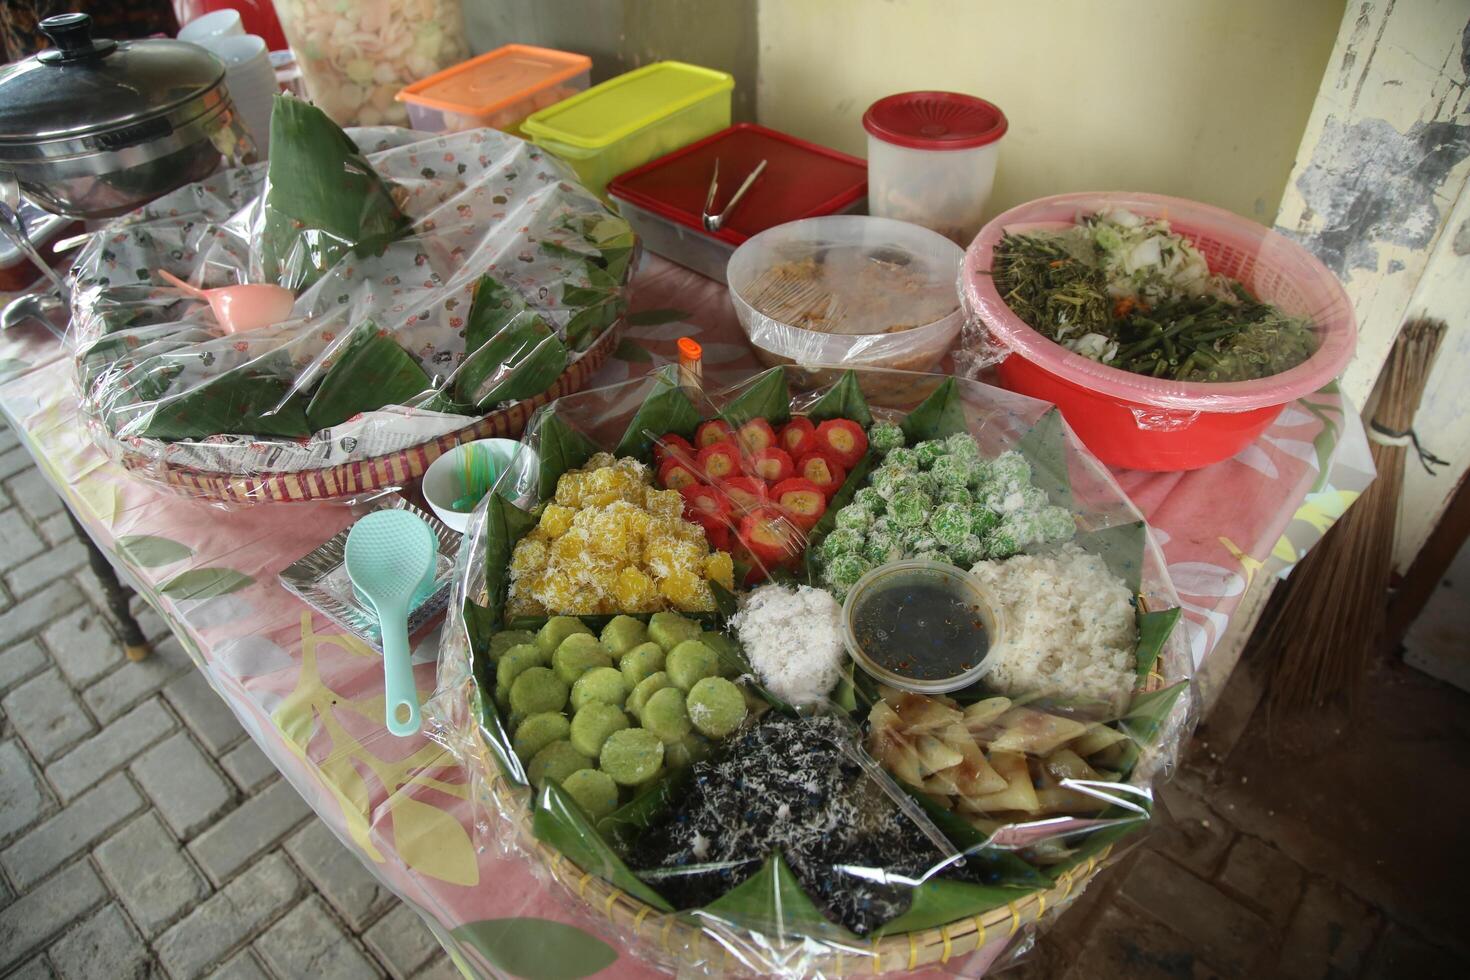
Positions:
{"x": 634, "y": 118}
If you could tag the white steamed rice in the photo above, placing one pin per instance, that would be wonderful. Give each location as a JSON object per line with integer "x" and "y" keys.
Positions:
{"x": 1071, "y": 631}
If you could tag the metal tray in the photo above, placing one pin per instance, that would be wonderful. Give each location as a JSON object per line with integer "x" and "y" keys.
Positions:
{"x": 320, "y": 580}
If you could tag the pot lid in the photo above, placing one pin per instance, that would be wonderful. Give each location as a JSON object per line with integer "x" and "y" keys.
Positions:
{"x": 935, "y": 120}
{"x": 85, "y": 85}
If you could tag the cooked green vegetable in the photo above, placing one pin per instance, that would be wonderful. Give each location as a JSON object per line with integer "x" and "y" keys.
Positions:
{"x": 1129, "y": 293}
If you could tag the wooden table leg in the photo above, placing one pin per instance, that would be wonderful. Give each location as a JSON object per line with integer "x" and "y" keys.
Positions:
{"x": 135, "y": 644}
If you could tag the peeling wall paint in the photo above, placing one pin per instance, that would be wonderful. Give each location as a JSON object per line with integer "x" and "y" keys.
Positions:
{"x": 1367, "y": 183}
{"x": 1384, "y": 157}
{"x": 1380, "y": 194}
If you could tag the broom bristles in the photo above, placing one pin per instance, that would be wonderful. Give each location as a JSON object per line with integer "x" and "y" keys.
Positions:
{"x": 1333, "y": 613}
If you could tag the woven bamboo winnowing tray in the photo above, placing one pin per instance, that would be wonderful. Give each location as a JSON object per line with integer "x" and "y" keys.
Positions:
{"x": 390, "y": 470}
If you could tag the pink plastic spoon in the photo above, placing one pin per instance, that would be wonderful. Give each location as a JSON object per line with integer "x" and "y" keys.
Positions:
{"x": 240, "y": 308}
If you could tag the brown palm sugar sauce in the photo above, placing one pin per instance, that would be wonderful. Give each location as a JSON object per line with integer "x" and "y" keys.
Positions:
{"x": 923, "y": 629}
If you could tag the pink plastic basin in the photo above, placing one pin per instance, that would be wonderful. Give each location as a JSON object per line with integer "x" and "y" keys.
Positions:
{"x": 1131, "y": 421}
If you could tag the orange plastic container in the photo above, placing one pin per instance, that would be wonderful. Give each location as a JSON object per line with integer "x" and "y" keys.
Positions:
{"x": 498, "y": 89}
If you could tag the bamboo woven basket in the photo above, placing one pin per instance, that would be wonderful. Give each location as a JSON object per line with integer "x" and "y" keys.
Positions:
{"x": 683, "y": 944}
{"x": 390, "y": 470}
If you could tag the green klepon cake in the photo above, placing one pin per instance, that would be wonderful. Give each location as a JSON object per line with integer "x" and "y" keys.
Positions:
{"x": 941, "y": 500}
{"x": 632, "y": 756}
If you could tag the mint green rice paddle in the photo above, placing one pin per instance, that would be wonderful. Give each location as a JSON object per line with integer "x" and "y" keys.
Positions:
{"x": 388, "y": 555}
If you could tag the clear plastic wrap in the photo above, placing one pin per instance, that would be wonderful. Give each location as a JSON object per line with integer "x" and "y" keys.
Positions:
{"x": 848, "y": 291}
{"x": 401, "y": 260}
{"x": 858, "y": 832}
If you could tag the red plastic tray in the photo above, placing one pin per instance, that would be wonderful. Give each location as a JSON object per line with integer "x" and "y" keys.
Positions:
{"x": 801, "y": 180}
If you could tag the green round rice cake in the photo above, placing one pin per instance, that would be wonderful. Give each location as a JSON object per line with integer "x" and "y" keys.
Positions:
{"x": 716, "y": 707}
{"x": 578, "y": 654}
{"x": 593, "y": 724}
{"x": 556, "y": 761}
{"x": 669, "y": 629}
{"x": 656, "y": 681}
{"x": 505, "y": 639}
{"x": 603, "y": 684}
{"x": 885, "y": 436}
{"x": 666, "y": 716}
{"x": 537, "y": 690}
{"x": 556, "y": 630}
{"x": 689, "y": 662}
{"x": 623, "y": 633}
{"x": 641, "y": 661}
{"x": 593, "y": 790}
{"x": 538, "y": 731}
{"x": 632, "y": 756}
{"x": 517, "y": 660}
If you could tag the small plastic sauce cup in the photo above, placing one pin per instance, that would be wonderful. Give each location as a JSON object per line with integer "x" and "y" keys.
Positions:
{"x": 922, "y": 626}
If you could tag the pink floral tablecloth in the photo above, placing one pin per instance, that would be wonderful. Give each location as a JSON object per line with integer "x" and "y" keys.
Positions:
{"x": 312, "y": 695}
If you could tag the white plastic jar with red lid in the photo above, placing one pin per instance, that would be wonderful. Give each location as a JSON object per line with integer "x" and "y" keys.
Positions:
{"x": 931, "y": 160}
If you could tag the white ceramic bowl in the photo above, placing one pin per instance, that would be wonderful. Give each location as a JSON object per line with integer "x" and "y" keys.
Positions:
{"x": 442, "y": 486}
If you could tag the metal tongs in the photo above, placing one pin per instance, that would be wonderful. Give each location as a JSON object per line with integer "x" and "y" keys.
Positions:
{"x": 712, "y": 222}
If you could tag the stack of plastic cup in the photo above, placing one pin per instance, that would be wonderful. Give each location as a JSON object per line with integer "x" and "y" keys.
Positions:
{"x": 249, "y": 75}
{"x": 216, "y": 23}
{"x": 251, "y": 80}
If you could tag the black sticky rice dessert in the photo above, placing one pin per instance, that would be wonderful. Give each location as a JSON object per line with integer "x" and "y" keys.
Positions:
{"x": 788, "y": 785}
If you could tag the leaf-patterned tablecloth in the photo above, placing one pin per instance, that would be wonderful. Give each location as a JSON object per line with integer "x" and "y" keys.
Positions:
{"x": 312, "y": 696}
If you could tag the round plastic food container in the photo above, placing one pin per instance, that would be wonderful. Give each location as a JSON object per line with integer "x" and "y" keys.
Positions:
{"x": 1145, "y": 423}
{"x": 848, "y": 291}
{"x": 931, "y": 159}
{"x": 922, "y": 625}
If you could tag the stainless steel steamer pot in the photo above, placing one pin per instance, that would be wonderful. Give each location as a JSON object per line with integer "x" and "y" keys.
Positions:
{"x": 94, "y": 128}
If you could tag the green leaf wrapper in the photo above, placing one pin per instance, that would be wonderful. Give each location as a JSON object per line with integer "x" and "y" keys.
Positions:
{"x": 562, "y": 448}
{"x": 667, "y": 409}
{"x": 767, "y": 397}
{"x": 251, "y": 400}
{"x": 528, "y": 349}
{"x": 558, "y": 821}
{"x": 1121, "y": 547}
{"x": 773, "y": 901}
{"x": 324, "y": 199}
{"x": 371, "y": 372}
{"x": 940, "y": 415}
{"x": 844, "y": 400}
{"x": 1045, "y": 445}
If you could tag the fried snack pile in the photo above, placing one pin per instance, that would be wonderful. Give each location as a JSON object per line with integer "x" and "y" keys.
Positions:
{"x": 611, "y": 543}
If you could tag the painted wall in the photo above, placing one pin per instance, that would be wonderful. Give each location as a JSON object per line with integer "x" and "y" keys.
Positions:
{"x": 1204, "y": 98}
{"x": 620, "y": 35}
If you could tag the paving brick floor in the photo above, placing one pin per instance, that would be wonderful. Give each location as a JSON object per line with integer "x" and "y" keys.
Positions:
{"x": 142, "y": 834}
